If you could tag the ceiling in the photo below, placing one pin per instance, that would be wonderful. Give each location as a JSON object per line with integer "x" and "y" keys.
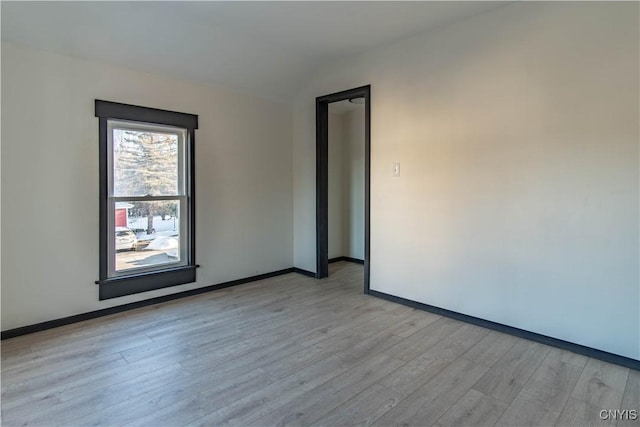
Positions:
{"x": 266, "y": 48}
{"x": 345, "y": 106}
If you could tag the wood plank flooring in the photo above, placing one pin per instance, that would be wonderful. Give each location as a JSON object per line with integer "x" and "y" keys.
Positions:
{"x": 292, "y": 350}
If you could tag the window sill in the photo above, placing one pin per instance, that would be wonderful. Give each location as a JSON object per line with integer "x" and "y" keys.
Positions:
{"x": 143, "y": 282}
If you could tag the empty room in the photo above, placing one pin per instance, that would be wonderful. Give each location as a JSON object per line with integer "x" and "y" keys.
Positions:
{"x": 320, "y": 213}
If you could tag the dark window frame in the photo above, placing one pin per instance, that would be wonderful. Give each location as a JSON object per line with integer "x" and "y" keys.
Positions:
{"x": 113, "y": 287}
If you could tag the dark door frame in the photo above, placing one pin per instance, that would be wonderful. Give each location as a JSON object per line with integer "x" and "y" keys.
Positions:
{"x": 322, "y": 177}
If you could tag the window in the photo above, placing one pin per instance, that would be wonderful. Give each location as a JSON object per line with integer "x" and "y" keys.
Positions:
{"x": 146, "y": 198}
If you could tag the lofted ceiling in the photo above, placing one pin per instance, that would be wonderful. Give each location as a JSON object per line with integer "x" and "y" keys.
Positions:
{"x": 266, "y": 48}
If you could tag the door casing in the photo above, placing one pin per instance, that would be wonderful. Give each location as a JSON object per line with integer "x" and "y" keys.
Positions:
{"x": 322, "y": 178}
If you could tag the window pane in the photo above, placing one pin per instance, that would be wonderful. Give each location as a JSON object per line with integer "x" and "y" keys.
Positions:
{"x": 146, "y": 234}
{"x": 145, "y": 163}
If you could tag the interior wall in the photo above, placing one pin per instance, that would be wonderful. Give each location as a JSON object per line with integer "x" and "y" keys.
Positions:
{"x": 336, "y": 190}
{"x": 353, "y": 183}
{"x": 50, "y": 181}
{"x": 346, "y": 183}
{"x": 518, "y": 200}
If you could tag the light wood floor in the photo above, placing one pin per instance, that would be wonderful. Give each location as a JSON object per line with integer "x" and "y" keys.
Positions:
{"x": 297, "y": 351}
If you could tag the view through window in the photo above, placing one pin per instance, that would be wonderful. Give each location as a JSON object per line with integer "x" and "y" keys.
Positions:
{"x": 147, "y": 197}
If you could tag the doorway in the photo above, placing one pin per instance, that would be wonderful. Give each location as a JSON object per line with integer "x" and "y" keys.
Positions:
{"x": 322, "y": 177}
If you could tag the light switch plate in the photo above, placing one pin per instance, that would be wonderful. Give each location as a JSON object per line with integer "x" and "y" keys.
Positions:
{"x": 396, "y": 169}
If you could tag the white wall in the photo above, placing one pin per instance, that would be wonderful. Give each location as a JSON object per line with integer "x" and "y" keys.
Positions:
{"x": 335, "y": 190}
{"x": 346, "y": 183}
{"x": 50, "y": 181}
{"x": 353, "y": 183}
{"x": 517, "y": 133}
